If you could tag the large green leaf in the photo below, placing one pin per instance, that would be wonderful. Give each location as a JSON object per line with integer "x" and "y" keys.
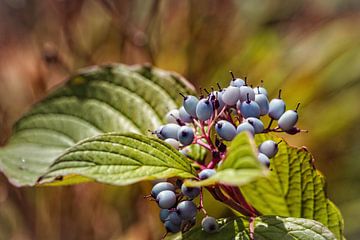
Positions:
{"x": 112, "y": 98}
{"x": 119, "y": 159}
{"x": 264, "y": 228}
{"x": 240, "y": 165}
{"x": 293, "y": 188}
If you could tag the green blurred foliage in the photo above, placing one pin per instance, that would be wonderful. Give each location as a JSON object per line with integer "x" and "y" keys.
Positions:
{"x": 310, "y": 49}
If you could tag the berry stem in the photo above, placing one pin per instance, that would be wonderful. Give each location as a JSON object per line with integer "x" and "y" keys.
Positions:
{"x": 201, "y": 143}
{"x": 207, "y": 137}
{"x": 218, "y": 195}
{"x": 201, "y": 204}
{"x": 252, "y": 227}
{"x": 243, "y": 201}
{"x": 213, "y": 162}
{"x": 270, "y": 123}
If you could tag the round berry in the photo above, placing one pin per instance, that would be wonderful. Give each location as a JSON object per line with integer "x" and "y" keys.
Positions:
{"x": 288, "y": 120}
{"x": 231, "y": 95}
{"x": 269, "y": 148}
{"x": 256, "y": 123}
{"x": 186, "y": 210}
{"x": 158, "y": 132}
{"x": 191, "y": 192}
{"x": 263, "y": 103}
{"x": 172, "y": 116}
{"x": 245, "y": 126}
{"x": 260, "y": 90}
{"x": 174, "y": 218}
{"x": 245, "y": 91}
{"x": 161, "y": 186}
{"x": 249, "y": 109}
{"x": 171, "y": 227}
{"x": 189, "y": 104}
{"x": 237, "y": 82}
{"x": 218, "y": 97}
{"x": 173, "y": 142}
{"x": 225, "y": 130}
{"x": 166, "y": 199}
{"x": 204, "y": 109}
{"x": 206, "y": 173}
{"x": 184, "y": 116}
{"x": 264, "y": 159}
{"x": 186, "y": 135}
{"x": 209, "y": 224}
{"x": 164, "y": 214}
{"x": 170, "y": 130}
{"x": 276, "y": 107}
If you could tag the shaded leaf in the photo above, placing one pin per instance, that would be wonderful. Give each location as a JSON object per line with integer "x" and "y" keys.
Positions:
{"x": 264, "y": 228}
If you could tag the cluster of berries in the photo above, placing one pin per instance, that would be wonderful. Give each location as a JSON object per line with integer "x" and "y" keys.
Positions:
{"x": 227, "y": 112}
{"x": 178, "y": 211}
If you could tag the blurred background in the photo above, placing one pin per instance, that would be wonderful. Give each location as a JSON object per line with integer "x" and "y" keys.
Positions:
{"x": 310, "y": 49}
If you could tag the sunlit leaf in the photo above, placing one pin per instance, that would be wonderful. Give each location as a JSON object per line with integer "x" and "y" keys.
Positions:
{"x": 119, "y": 159}
{"x": 240, "y": 165}
{"x": 293, "y": 188}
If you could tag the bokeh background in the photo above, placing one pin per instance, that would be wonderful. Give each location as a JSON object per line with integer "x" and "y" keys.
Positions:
{"x": 310, "y": 49}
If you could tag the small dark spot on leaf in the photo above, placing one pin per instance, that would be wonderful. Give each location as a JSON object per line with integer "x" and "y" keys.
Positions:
{"x": 59, "y": 178}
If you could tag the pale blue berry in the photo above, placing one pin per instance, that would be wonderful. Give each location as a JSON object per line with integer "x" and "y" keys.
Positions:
{"x": 186, "y": 135}
{"x": 173, "y": 142}
{"x": 231, "y": 95}
{"x": 172, "y": 116}
{"x": 263, "y": 102}
{"x": 204, "y": 109}
{"x": 164, "y": 214}
{"x": 161, "y": 186}
{"x": 206, "y": 173}
{"x": 170, "y": 130}
{"x": 166, "y": 199}
{"x": 225, "y": 130}
{"x": 256, "y": 123}
{"x": 261, "y": 90}
{"x": 170, "y": 227}
{"x": 237, "y": 82}
{"x": 244, "y": 91}
{"x": 248, "y": 108}
{"x": 191, "y": 192}
{"x": 209, "y": 224}
{"x": 184, "y": 116}
{"x": 276, "y": 107}
{"x": 187, "y": 210}
{"x": 263, "y": 159}
{"x": 269, "y": 148}
{"x": 174, "y": 218}
{"x": 190, "y": 102}
{"x": 288, "y": 120}
{"x": 245, "y": 126}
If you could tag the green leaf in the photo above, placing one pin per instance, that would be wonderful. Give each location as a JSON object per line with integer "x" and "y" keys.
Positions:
{"x": 293, "y": 188}
{"x": 264, "y": 228}
{"x": 195, "y": 152}
{"x": 112, "y": 98}
{"x": 119, "y": 159}
{"x": 239, "y": 167}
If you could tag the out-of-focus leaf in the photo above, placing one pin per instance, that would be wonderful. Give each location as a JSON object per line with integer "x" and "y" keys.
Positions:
{"x": 112, "y": 98}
